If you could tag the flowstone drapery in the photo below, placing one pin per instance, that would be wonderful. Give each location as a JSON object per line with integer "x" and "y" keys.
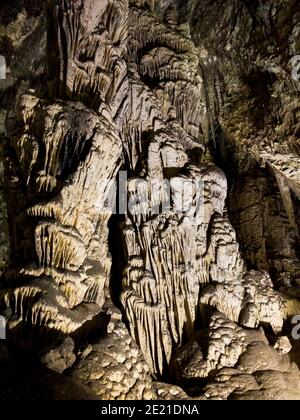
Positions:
{"x": 66, "y": 152}
{"x": 125, "y": 89}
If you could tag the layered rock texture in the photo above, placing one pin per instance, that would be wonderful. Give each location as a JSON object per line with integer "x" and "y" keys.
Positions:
{"x": 149, "y": 187}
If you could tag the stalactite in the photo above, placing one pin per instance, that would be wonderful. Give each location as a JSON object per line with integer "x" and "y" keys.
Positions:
{"x": 126, "y": 88}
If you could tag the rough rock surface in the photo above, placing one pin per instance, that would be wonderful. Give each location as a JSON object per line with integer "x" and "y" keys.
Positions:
{"x": 114, "y": 368}
{"x": 243, "y": 364}
{"x": 256, "y": 121}
{"x": 60, "y": 358}
{"x": 169, "y": 392}
{"x": 197, "y": 281}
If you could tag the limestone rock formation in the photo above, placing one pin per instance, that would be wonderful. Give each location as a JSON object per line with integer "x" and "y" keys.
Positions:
{"x": 149, "y": 197}
{"x": 253, "y": 370}
{"x": 60, "y": 358}
{"x": 114, "y": 367}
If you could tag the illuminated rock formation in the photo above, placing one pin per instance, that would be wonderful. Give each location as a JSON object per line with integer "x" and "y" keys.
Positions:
{"x": 179, "y": 285}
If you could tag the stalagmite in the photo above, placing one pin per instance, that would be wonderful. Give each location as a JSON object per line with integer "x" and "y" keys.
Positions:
{"x": 181, "y": 272}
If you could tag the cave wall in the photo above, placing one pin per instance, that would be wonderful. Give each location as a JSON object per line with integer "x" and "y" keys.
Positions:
{"x": 194, "y": 96}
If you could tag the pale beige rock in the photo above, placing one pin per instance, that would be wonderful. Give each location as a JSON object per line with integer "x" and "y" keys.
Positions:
{"x": 283, "y": 345}
{"x": 139, "y": 85}
{"x": 60, "y": 358}
{"x": 169, "y": 392}
{"x": 114, "y": 368}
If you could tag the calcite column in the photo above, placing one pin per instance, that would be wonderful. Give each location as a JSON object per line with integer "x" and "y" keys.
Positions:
{"x": 166, "y": 233}
{"x": 64, "y": 148}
